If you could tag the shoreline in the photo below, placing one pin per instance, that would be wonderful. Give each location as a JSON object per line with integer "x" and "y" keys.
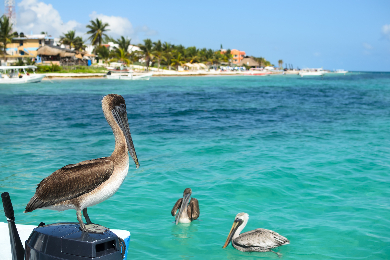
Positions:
{"x": 155, "y": 74}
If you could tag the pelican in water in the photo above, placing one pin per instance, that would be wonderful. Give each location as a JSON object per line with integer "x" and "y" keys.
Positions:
{"x": 82, "y": 185}
{"x": 187, "y": 212}
{"x": 258, "y": 240}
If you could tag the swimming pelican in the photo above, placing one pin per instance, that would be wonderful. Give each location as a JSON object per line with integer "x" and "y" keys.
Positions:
{"x": 82, "y": 185}
{"x": 187, "y": 212}
{"x": 258, "y": 240}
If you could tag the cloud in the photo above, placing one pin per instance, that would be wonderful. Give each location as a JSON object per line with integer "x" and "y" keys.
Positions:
{"x": 367, "y": 46}
{"x": 118, "y": 26}
{"x": 386, "y": 31}
{"x": 37, "y": 17}
{"x": 121, "y": 26}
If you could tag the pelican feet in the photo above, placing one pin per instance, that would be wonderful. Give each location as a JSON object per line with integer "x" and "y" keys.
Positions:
{"x": 93, "y": 228}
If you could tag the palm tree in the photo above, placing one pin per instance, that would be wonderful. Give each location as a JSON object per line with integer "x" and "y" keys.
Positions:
{"x": 97, "y": 31}
{"x": 167, "y": 48}
{"x": 178, "y": 59}
{"x": 280, "y": 62}
{"x": 6, "y": 34}
{"x": 147, "y": 49}
{"x": 158, "y": 52}
{"x": 103, "y": 53}
{"x": 79, "y": 44}
{"x": 121, "y": 55}
{"x": 123, "y": 43}
{"x": 69, "y": 38}
{"x": 192, "y": 54}
{"x": 227, "y": 56}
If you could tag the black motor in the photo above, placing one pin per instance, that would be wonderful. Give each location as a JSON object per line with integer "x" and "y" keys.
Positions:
{"x": 62, "y": 241}
{"x": 67, "y": 241}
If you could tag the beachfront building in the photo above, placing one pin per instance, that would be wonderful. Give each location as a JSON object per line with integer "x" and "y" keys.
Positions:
{"x": 237, "y": 56}
{"x": 26, "y": 46}
{"x": 62, "y": 56}
{"x": 110, "y": 46}
{"x": 249, "y": 61}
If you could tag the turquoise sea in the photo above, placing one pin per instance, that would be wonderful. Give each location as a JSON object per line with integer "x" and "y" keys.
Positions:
{"x": 306, "y": 157}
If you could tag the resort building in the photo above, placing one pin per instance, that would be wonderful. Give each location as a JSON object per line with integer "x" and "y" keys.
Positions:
{"x": 237, "y": 55}
{"x": 27, "y": 46}
{"x": 61, "y": 56}
{"x": 110, "y": 46}
{"x": 249, "y": 61}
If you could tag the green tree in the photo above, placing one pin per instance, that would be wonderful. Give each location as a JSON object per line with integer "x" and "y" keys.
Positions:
{"x": 69, "y": 38}
{"x": 178, "y": 59}
{"x": 103, "y": 53}
{"x": 192, "y": 54}
{"x": 121, "y": 55}
{"x": 123, "y": 43}
{"x": 6, "y": 34}
{"x": 147, "y": 50}
{"x": 79, "y": 44}
{"x": 280, "y": 62}
{"x": 97, "y": 30}
{"x": 167, "y": 48}
{"x": 158, "y": 52}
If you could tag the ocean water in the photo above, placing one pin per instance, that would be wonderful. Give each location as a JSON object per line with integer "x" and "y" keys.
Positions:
{"x": 306, "y": 157}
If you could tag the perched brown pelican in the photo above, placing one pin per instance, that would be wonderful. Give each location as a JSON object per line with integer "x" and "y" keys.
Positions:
{"x": 258, "y": 240}
{"x": 187, "y": 212}
{"x": 82, "y": 185}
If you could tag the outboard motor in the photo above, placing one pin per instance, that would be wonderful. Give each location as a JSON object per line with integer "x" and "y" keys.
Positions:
{"x": 62, "y": 241}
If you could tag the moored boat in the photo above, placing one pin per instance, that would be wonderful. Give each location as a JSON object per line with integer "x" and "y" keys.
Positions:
{"x": 312, "y": 72}
{"x": 13, "y": 75}
{"x": 130, "y": 76}
{"x": 341, "y": 71}
{"x": 257, "y": 72}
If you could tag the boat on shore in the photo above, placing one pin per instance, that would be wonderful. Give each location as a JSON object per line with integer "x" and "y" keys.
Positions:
{"x": 257, "y": 72}
{"x": 13, "y": 75}
{"x": 341, "y": 71}
{"x": 130, "y": 76}
{"x": 312, "y": 72}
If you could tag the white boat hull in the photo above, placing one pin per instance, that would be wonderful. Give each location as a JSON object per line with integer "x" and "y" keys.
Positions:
{"x": 146, "y": 76}
{"x": 311, "y": 73}
{"x": 35, "y": 78}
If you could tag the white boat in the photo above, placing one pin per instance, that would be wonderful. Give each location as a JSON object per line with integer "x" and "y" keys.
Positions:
{"x": 341, "y": 71}
{"x": 130, "y": 76}
{"x": 257, "y": 72}
{"x": 13, "y": 75}
{"x": 312, "y": 72}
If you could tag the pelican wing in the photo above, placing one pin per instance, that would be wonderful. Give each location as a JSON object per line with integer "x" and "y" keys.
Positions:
{"x": 70, "y": 182}
{"x": 177, "y": 206}
{"x": 193, "y": 209}
{"x": 264, "y": 239}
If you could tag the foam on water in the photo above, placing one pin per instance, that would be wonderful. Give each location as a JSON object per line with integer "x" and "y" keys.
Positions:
{"x": 306, "y": 157}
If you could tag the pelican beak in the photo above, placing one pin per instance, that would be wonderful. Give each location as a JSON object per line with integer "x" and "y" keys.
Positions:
{"x": 236, "y": 224}
{"x": 120, "y": 116}
{"x": 184, "y": 204}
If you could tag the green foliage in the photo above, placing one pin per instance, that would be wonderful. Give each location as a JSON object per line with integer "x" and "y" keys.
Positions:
{"x": 49, "y": 68}
{"x": 69, "y": 69}
{"x": 97, "y": 30}
{"x": 103, "y": 53}
{"x": 29, "y": 61}
{"x": 19, "y": 63}
{"x": 6, "y": 34}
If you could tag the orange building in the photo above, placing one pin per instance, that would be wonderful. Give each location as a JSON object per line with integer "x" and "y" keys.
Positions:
{"x": 237, "y": 55}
